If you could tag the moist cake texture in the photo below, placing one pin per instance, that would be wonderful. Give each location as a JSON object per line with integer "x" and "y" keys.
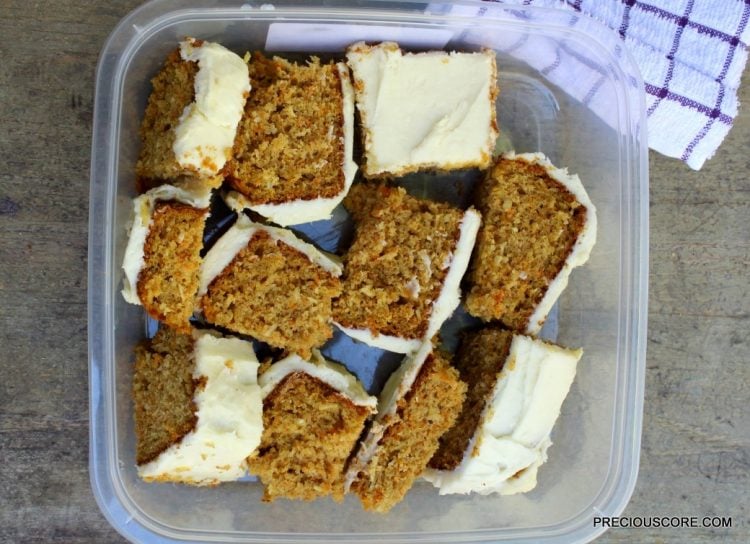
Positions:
{"x": 432, "y": 110}
{"x": 197, "y": 407}
{"x": 403, "y": 269}
{"x": 162, "y": 258}
{"x": 265, "y": 282}
{"x": 313, "y": 413}
{"x": 163, "y": 390}
{"x": 516, "y": 386}
{"x": 538, "y": 224}
{"x": 293, "y": 151}
{"x": 420, "y": 402}
{"x": 479, "y": 360}
{"x": 189, "y": 126}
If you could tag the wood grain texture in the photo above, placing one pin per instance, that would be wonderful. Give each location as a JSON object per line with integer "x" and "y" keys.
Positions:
{"x": 695, "y": 458}
{"x": 50, "y": 52}
{"x": 696, "y": 441}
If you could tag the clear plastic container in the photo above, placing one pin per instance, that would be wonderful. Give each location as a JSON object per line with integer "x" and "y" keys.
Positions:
{"x": 568, "y": 89}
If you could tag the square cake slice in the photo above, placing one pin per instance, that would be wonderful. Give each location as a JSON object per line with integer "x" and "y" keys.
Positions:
{"x": 293, "y": 154}
{"x": 538, "y": 223}
{"x": 191, "y": 118}
{"x": 197, "y": 407}
{"x": 313, "y": 413}
{"x": 267, "y": 283}
{"x": 433, "y": 110}
{"x": 516, "y": 386}
{"x": 403, "y": 270}
{"x": 419, "y": 402}
{"x": 162, "y": 259}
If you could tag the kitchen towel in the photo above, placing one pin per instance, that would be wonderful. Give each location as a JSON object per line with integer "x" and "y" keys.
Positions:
{"x": 691, "y": 54}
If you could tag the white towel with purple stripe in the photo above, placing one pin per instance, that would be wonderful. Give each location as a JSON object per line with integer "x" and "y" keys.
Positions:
{"x": 691, "y": 54}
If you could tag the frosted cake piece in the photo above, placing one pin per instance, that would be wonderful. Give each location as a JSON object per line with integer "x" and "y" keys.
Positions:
{"x": 162, "y": 258}
{"x": 538, "y": 223}
{"x": 267, "y": 283}
{"x": 191, "y": 119}
{"x": 197, "y": 407}
{"x": 424, "y": 111}
{"x": 516, "y": 386}
{"x": 313, "y": 412}
{"x": 403, "y": 271}
{"x": 420, "y": 401}
{"x": 293, "y": 153}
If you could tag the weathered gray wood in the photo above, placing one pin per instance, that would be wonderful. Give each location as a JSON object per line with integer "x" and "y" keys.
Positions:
{"x": 695, "y": 459}
{"x": 696, "y": 439}
{"x": 49, "y": 51}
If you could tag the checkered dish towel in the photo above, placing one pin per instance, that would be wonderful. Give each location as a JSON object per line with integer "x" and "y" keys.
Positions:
{"x": 691, "y": 54}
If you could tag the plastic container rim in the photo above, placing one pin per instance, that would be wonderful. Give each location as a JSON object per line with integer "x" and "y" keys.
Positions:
{"x": 109, "y": 76}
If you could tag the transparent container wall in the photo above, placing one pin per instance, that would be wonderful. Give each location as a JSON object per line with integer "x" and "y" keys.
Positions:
{"x": 598, "y": 311}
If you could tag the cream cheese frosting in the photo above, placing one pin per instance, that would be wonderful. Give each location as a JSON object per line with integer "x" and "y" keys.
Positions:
{"x": 398, "y": 385}
{"x": 296, "y": 212}
{"x": 513, "y": 434}
{"x": 205, "y": 133}
{"x": 581, "y": 250}
{"x": 424, "y": 110}
{"x": 333, "y": 374}
{"x": 446, "y": 302}
{"x": 239, "y": 235}
{"x": 387, "y": 342}
{"x": 229, "y": 412}
{"x": 143, "y": 210}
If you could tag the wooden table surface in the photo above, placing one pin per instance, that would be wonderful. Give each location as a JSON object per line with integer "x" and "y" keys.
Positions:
{"x": 695, "y": 457}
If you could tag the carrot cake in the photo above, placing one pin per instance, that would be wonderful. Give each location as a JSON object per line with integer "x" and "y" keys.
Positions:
{"x": 198, "y": 407}
{"x": 191, "y": 119}
{"x": 433, "y": 110}
{"x": 293, "y": 154}
{"x": 162, "y": 258}
{"x": 538, "y": 224}
{"x": 420, "y": 401}
{"x": 403, "y": 271}
{"x": 516, "y": 386}
{"x": 313, "y": 413}
{"x": 267, "y": 283}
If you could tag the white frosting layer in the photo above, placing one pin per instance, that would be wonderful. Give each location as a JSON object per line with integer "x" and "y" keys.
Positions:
{"x": 239, "y": 235}
{"x": 229, "y": 410}
{"x": 143, "y": 210}
{"x": 513, "y": 434}
{"x": 425, "y": 110}
{"x": 296, "y": 212}
{"x": 206, "y": 130}
{"x": 581, "y": 249}
{"x": 398, "y": 385}
{"x": 383, "y": 341}
{"x": 446, "y": 302}
{"x": 333, "y": 374}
